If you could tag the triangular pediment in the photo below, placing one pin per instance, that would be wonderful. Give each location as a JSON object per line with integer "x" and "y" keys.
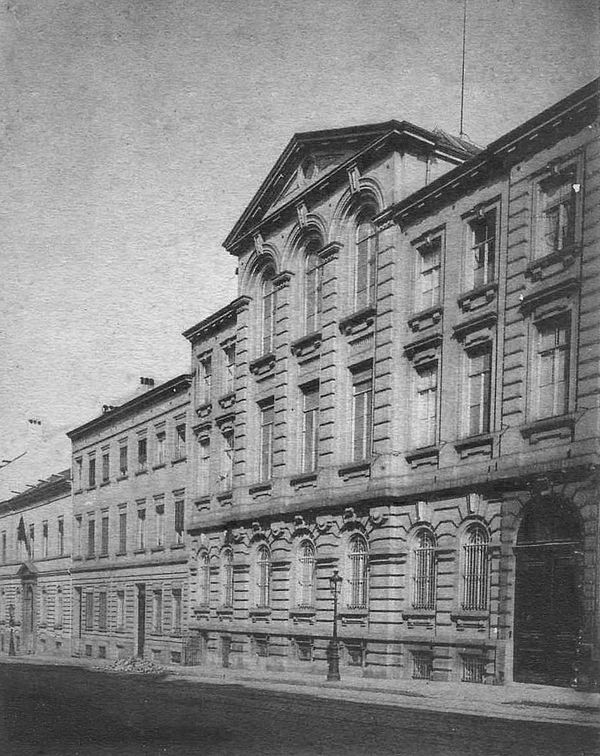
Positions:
{"x": 312, "y": 158}
{"x": 27, "y": 571}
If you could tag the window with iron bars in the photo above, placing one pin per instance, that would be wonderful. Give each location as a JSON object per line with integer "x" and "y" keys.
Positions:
{"x": 475, "y": 569}
{"x": 358, "y": 581}
{"x": 473, "y": 668}
{"x": 203, "y": 579}
{"x": 424, "y": 574}
{"x": 422, "y": 665}
{"x": 263, "y": 576}
{"x": 227, "y": 577}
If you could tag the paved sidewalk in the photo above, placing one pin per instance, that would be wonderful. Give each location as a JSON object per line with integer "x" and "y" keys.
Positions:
{"x": 540, "y": 703}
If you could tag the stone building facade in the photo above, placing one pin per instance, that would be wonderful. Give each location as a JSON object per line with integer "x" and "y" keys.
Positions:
{"x": 406, "y": 390}
{"x": 35, "y": 560}
{"x": 129, "y": 544}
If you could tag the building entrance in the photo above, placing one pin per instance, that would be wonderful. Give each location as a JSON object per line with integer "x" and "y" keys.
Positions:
{"x": 548, "y": 607}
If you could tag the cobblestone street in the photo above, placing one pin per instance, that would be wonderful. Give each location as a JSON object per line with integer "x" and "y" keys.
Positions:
{"x": 58, "y": 711}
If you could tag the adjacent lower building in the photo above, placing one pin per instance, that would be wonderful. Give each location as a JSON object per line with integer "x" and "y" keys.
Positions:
{"x": 130, "y": 572}
{"x": 35, "y": 576}
{"x": 406, "y": 392}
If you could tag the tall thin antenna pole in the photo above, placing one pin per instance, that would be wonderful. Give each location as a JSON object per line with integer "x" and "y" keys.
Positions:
{"x": 462, "y": 83}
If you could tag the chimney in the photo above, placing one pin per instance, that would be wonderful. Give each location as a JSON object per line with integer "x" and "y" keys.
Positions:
{"x": 146, "y": 384}
{"x": 35, "y": 434}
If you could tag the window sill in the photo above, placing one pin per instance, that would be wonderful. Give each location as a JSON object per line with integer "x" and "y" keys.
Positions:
{"x": 307, "y": 346}
{"x": 104, "y": 483}
{"x": 479, "y": 296}
{"x": 303, "y": 611}
{"x": 471, "y": 446}
{"x": 78, "y": 558}
{"x": 158, "y": 466}
{"x": 361, "y": 469}
{"x": 304, "y": 480}
{"x": 227, "y": 400}
{"x": 260, "y": 611}
{"x": 225, "y": 497}
{"x": 424, "y": 455}
{"x": 263, "y": 365}
{"x": 261, "y": 489}
{"x": 178, "y": 460}
{"x": 139, "y": 551}
{"x": 103, "y": 556}
{"x": 204, "y": 409}
{"x": 559, "y": 426}
{"x": 470, "y": 618}
{"x": 177, "y": 546}
{"x": 121, "y": 553}
{"x": 225, "y": 611}
{"x": 141, "y": 472}
{"x": 359, "y": 611}
{"x": 358, "y": 322}
{"x": 424, "y": 350}
{"x": 91, "y": 488}
{"x": 425, "y": 318}
{"x": 156, "y": 549}
{"x": 419, "y": 617}
{"x": 564, "y": 258}
{"x": 78, "y": 491}
{"x": 123, "y": 476}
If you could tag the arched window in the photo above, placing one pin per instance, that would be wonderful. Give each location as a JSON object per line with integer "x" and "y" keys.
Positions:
{"x": 269, "y": 305}
{"x": 424, "y": 570}
{"x": 227, "y": 577}
{"x": 475, "y": 568}
{"x": 313, "y": 285}
{"x": 366, "y": 259}
{"x": 306, "y": 575}
{"x": 358, "y": 572}
{"x": 263, "y": 576}
{"x": 203, "y": 579}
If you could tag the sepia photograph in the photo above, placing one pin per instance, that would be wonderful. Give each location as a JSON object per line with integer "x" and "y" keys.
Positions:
{"x": 299, "y": 377}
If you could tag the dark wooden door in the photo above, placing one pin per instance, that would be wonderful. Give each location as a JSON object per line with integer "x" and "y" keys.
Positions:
{"x": 547, "y": 614}
{"x": 141, "y": 619}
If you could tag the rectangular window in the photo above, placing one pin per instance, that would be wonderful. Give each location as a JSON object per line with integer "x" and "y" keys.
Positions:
{"x": 229, "y": 350}
{"x": 142, "y": 453}
{"x": 104, "y": 535}
{"x": 89, "y": 611}
{"x": 557, "y": 207}
{"x": 366, "y": 262}
{"x": 179, "y": 521}
{"x": 482, "y": 231}
{"x": 160, "y": 524}
{"x": 61, "y": 536}
{"x": 310, "y": 428}
{"x": 479, "y": 391}
{"x": 78, "y": 528}
{"x": 429, "y": 273}
{"x": 123, "y": 459}
{"x": 267, "y": 421}
{"x": 102, "y": 611}
{"x": 78, "y": 474}
{"x": 105, "y": 467}
{"x": 141, "y": 529}
{"x": 226, "y": 478}
{"x": 180, "y": 442}
{"x": 161, "y": 442}
{"x": 425, "y": 407}
{"x": 58, "y": 609}
{"x": 177, "y": 611}
{"x": 204, "y": 467}
{"x": 157, "y": 612}
{"x": 362, "y": 413}
{"x": 122, "y": 532}
{"x": 206, "y": 377}
{"x": 32, "y": 542}
{"x": 91, "y": 549}
{"x": 45, "y": 539}
{"x": 120, "y": 610}
{"x": 92, "y": 472}
{"x": 552, "y": 355}
{"x": 3, "y": 547}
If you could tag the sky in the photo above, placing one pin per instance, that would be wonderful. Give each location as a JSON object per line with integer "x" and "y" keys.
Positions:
{"x": 134, "y": 132}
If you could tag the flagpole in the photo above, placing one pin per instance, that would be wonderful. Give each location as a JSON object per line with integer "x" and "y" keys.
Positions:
{"x": 462, "y": 83}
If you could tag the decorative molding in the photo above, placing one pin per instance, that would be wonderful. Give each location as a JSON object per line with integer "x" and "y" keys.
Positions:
{"x": 354, "y": 179}
{"x": 425, "y": 318}
{"x": 549, "y": 292}
{"x": 330, "y": 251}
{"x": 358, "y": 321}
{"x": 424, "y": 350}
{"x": 307, "y": 346}
{"x": 263, "y": 364}
{"x": 561, "y": 426}
{"x": 302, "y": 213}
{"x": 478, "y": 297}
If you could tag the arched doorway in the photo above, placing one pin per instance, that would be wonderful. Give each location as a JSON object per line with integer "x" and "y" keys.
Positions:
{"x": 28, "y": 628}
{"x": 548, "y": 605}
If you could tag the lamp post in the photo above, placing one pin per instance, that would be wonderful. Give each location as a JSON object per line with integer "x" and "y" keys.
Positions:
{"x": 11, "y": 624}
{"x": 333, "y": 673}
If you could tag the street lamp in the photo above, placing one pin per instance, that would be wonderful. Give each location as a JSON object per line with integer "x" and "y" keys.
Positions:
{"x": 335, "y": 581}
{"x": 11, "y": 624}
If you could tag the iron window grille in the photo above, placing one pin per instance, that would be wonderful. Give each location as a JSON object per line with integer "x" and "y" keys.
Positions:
{"x": 306, "y": 575}
{"x": 424, "y": 578}
{"x": 475, "y": 569}
{"x": 358, "y": 581}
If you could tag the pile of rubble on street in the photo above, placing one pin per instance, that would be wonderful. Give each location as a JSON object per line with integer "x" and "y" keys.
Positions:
{"x": 136, "y": 666}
